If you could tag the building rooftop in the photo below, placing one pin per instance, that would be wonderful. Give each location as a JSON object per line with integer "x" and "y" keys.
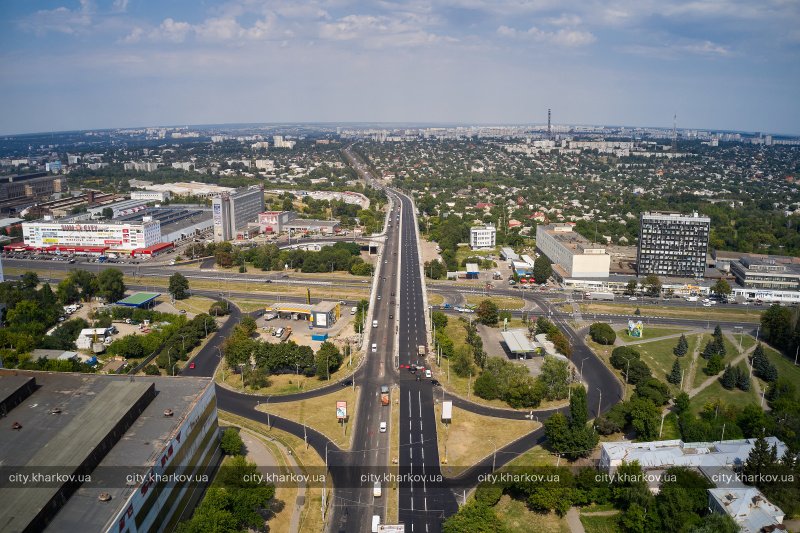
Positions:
{"x": 670, "y": 215}
{"x": 324, "y": 307}
{"x": 67, "y": 416}
{"x": 571, "y": 240}
{"x": 668, "y": 453}
{"x": 139, "y": 299}
{"x": 749, "y": 508}
{"x": 517, "y": 341}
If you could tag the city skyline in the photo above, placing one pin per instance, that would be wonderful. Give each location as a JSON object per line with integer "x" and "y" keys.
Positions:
{"x": 95, "y": 65}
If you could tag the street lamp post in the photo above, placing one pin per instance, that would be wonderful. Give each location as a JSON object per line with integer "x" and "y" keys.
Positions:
{"x": 599, "y": 401}
{"x": 582, "y": 360}
{"x": 266, "y": 407}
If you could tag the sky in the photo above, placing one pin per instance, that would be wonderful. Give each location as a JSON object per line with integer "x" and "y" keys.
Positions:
{"x": 90, "y": 64}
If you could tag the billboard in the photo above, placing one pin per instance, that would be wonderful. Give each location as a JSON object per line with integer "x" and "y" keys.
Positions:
{"x": 341, "y": 410}
{"x": 447, "y": 411}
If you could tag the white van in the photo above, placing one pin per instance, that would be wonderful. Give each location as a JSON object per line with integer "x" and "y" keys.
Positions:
{"x": 353, "y": 310}
{"x": 376, "y": 521}
{"x": 376, "y": 489}
{"x": 374, "y": 323}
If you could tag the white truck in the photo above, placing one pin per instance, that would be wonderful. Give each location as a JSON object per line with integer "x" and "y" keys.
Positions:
{"x": 602, "y": 296}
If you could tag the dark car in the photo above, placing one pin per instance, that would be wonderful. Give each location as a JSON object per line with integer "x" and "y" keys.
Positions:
{"x": 347, "y": 383}
{"x": 435, "y": 382}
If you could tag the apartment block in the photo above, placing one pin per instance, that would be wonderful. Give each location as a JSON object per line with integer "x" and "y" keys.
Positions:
{"x": 572, "y": 255}
{"x": 233, "y": 211}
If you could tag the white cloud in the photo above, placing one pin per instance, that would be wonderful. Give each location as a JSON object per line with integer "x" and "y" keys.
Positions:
{"x": 120, "y": 5}
{"x": 219, "y": 29}
{"x": 60, "y": 19}
{"x": 399, "y": 29}
{"x": 561, "y": 37}
{"x": 706, "y": 48}
{"x": 565, "y": 20}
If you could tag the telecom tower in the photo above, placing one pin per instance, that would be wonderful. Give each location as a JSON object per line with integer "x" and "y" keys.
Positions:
{"x": 549, "y": 130}
{"x": 674, "y": 134}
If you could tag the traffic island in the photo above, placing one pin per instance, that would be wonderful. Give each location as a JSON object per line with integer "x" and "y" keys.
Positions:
{"x": 468, "y": 437}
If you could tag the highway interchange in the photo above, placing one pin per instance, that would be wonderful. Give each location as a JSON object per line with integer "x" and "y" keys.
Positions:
{"x": 398, "y": 303}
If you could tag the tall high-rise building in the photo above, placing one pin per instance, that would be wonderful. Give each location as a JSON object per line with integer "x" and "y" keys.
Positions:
{"x": 232, "y": 211}
{"x": 673, "y": 244}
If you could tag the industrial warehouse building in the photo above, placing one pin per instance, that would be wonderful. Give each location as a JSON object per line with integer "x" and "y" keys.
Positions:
{"x": 119, "y": 437}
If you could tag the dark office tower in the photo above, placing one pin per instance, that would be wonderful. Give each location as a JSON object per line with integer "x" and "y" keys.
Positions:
{"x": 672, "y": 244}
{"x": 549, "y": 131}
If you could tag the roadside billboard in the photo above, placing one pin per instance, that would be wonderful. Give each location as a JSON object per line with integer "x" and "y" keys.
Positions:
{"x": 341, "y": 410}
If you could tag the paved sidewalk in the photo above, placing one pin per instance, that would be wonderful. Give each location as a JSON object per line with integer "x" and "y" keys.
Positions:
{"x": 574, "y": 520}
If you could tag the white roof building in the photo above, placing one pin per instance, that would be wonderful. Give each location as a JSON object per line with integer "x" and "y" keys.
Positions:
{"x": 660, "y": 455}
{"x": 748, "y": 507}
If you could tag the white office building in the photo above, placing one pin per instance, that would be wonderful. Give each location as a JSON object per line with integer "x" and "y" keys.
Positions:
{"x": 572, "y": 255}
{"x": 481, "y": 237}
{"x": 91, "y": 237}
{"x": 233, "y": 211}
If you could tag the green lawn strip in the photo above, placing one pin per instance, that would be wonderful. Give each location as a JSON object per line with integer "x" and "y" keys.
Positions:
{"x": 649, "y": 332}
{"x": 517, "y": 518}
{"x": 716, "y": 391}
{"x": 601, "y": 523}
{"x": 732, "y": 352}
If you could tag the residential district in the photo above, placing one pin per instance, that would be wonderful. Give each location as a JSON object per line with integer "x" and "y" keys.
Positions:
{"x": 340, "y": 328}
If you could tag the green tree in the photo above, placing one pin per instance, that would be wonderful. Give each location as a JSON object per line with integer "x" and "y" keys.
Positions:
{"x": 578, "y": 408}
{"x": 439, "y": 320}
{"x": 110, "y": 284}
{"x": 542, "y": 269}
{"x": 232, "y": 442}
{"x": 554, "y": 375}
{"x": 602, "y": 333}
{"x": 108, "y": 213}
{"x": 67, "y": 291}
{"x": 474, "y": 518}
{"x": 487, "y": 313}
{"x": 714, "y": 365}
{"x": 645, "y": 418}
{"x": 652, "y": 285}
{"x": 631, "y": 287}
{"x": 178, "y": 286}
{"x": 682, "y": 499}
{"x": 721, "y": 288}
{"x": 29, "y": 280}
{"x": 435, "y": 269}
{"x": 729, "y": 377}
{"x": 328, "y": 359}
{"x": 674, "y": 376}
{"x": 634, "y": 519}
{"x": 762, "y": 458}
{"x": 682, "y": 347}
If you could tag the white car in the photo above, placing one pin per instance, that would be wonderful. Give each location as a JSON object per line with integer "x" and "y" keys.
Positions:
{"x": 633, "y": 298}
{"x": 374, "y": 348}
{"x": 428, "y": 373}
{"x": 383, "y": 427}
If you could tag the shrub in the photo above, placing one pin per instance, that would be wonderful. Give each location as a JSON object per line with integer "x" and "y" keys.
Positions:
{"x": 602, "y": 333}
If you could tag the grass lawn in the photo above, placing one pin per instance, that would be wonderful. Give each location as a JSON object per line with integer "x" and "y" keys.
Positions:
{"x": 716, "y": 391}
{"x": 502, "y": 302}
{"x": 659, "y": 357}
{"x": 600, "y": 523}
{"x": 307, "y": 459}
{"x": 517, "y": 518}
{"x": 320, "y": 413}
{"x": 248, "y": 306}
{"x": 280, "y": 384}
{"x": 464, "y": 251}
{"x": 786, "y": 367}
{"x": 670, "y": 430}
{"x": 700, "y": 313}
{"x": 435, "y": 299}
{"x": 470, "y": 437}
{"x": 649, "y": 332}
{"x": 536, "y": 456}
{"x": 194, "y": 304}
